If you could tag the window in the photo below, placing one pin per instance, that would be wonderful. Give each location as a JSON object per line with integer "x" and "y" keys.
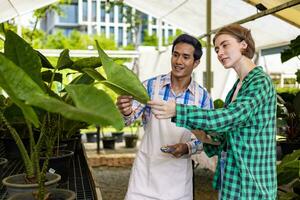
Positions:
{"x": 70, "y": 14}
{"x": 102, "y": 29}
{"x": 84, "y": 10}
{"x": 120, "y": 18}
{"x": 170, "y": 32}
{"x": 111, "y": 31}
{"x": 94, "y": 11}
{"x": 129, "y": 37}
{"x": 154, "y": 31}
{"x": 154, "y": 21}
{"x": 120, "y": 36}
{"x": 112, "y": 14}
{"x": 102, "y": 9}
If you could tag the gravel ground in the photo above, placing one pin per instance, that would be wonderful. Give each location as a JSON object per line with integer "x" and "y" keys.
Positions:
{"x": 114, "y": 182}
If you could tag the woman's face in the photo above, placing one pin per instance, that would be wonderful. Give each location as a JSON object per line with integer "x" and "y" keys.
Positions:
{"x": 229, "y": 50}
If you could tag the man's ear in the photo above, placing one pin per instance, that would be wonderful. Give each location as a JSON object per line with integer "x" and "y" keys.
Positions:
{"x": 196, "y": 63}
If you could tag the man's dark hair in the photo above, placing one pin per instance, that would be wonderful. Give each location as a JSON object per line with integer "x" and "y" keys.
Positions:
{"x": 185, "y": 38}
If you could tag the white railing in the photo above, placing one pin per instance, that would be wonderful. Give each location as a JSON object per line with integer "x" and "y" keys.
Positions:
{"x": 89, "y": 53}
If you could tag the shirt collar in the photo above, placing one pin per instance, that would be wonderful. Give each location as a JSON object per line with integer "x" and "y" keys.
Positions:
{"x": 166, "y": 80}
{"x": 252, "y": 73}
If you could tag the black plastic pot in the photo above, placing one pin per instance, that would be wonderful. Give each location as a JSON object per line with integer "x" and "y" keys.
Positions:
{"x": 16, "y": 183}
{"x": 73, "y": 144}
{"x": 60, "y": 163}
{"x": 55, "y": 194}
{"x": 130, "y": 141}
{"x": 118, "y": 136}
{"x": 108, "y": 142}
{"x": 91, "y": 137}
{"x": 11, "y": 148}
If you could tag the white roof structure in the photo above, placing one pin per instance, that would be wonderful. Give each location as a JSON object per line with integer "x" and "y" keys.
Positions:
{"x": 190, "y": 16}
{"x": 13, "y": 8}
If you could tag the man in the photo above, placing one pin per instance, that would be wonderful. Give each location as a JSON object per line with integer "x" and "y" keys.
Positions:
{"x": 158, "y": 175}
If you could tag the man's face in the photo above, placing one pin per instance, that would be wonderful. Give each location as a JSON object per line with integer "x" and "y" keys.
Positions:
{"x": 182, "y": 60}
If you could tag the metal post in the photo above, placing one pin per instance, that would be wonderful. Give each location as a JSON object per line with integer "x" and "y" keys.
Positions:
{"x": 208, "y": 46}
{"x": 98, "y": 139}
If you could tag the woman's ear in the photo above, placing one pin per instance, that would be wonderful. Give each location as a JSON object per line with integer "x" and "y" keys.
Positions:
{"x": 244, "y": 45}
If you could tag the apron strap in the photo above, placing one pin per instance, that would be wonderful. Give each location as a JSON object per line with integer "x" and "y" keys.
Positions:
{"x": 197, "y": 95}
{"x": 156, "y": 88}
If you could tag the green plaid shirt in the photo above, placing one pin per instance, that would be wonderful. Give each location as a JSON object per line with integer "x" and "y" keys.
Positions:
{"x": 248, "y": 127}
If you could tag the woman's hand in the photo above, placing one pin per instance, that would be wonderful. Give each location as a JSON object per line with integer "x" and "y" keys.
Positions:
{"x": 163, "y": 109}
{"x": 204, "y": 138}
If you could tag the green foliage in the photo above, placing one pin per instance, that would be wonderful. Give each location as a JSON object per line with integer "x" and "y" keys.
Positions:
{"x": 292, "y": 91}
{"x": 218, "y": 103}
{"x": 288, "y": 171}
{"x": 150, "y": 40}
{"x": 27, "y": 77}
{"x": 120, "y": 79}
{"x": 292, "y": 51}
{"x": 173, "y": 37}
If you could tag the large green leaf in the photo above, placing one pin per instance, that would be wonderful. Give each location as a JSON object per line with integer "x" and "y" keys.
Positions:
{"x": 64, "y": 61}
{"x": 96, "y": 101}
{"x": 47, "y": 75}
{"x": 122, "y": 78}
{"x": 21, "y": 88}
{"x": 17, "y": 84}
{"x": 288, "y": 169}
{"x": 91, "y": 62}
{"x": 292, "y": 51}
{"x": 83, "y": 79}
{"x": 94, "y": 74}
{"x": 23, "y": 55}
{"x": 45, "y": 62}
{"x": 82, "y": 112}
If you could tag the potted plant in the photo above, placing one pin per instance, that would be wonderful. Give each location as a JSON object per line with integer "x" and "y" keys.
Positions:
{"x": 118, "y": 135}
{"x": 108, "y": 141}
{"x": 288, "y": 177}
{"x": 288, "y": 120}
{"x": 131, "y": 140}
{"x": 21, "y": 78}
{"x": 288, "y": 109}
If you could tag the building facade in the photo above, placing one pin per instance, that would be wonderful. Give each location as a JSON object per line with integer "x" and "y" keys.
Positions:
{"x": 93, "y": 17}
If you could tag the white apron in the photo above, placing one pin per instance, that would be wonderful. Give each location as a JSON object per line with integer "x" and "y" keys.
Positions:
{"x": 158, "y": 175}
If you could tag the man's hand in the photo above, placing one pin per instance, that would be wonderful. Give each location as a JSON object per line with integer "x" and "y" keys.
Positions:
{"x": 204, "y": 138}
{"x": 180, "y": 149}
{"x": 163, "y": 109}
{"x": 124, "y": 104}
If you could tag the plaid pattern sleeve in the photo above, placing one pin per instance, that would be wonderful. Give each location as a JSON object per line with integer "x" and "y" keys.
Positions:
{"x": 249, "y": 126}
{"x": 196, "y": 146}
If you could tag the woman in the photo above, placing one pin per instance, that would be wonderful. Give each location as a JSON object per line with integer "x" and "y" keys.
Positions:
{"x": 247, "y": 122}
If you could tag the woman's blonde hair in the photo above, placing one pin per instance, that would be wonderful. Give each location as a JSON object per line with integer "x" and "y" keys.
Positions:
{"x": 240, "y": 33}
